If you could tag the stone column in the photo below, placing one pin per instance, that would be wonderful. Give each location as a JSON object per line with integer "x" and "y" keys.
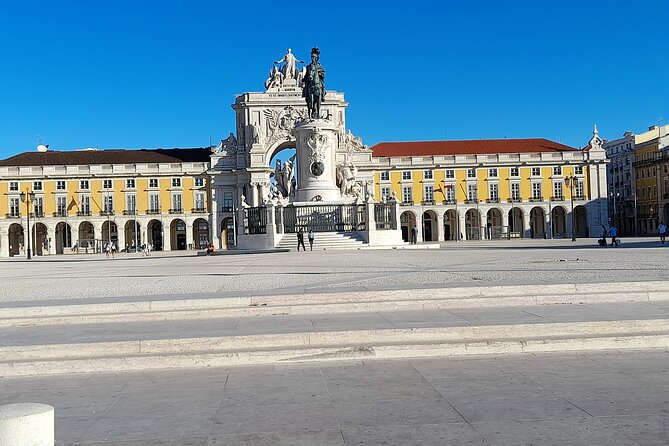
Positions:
{"x": 526, "y": 225}
{"x": 51, "y": 237}
{"x": 441, "y": 233}
{"x": 121, "y": 235}
{"x": 254, "y": 194}
{"x": 505, "y": 223}
{"x": 215, "y": 223}
{"x": 316, "y": 142}
{"x": 30, "y": 424}
{"x": 547, "y": 225}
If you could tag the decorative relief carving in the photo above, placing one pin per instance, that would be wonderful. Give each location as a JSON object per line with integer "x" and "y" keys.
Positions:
{"x": 317, "y": 143}
{"x": 281, "y": 122}
{"x": 227, "y": 146}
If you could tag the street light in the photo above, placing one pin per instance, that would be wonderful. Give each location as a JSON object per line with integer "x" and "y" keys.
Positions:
{"x": 28, "y": 198}
{"x": 569, "y": 181}
{"x": 615, "y": 214}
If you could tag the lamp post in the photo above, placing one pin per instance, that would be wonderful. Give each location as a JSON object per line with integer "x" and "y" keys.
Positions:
{"x": 615, "y": 213}
{"x": 569, "y": 181}
{"x": 28, "y": 198}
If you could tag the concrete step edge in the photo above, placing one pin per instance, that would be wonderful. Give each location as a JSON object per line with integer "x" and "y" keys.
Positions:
{"x": 320, "y": 354}
{"x": 310, "y": 339}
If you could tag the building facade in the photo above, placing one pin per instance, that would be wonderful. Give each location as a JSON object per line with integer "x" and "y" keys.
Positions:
{"x": 621, "y": 180}
{"x": 78, "y": 201}
{"x": 651, "y": 164}
{"x": 491, "y": 189}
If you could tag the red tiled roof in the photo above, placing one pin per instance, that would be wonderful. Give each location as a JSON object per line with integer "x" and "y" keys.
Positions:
{"x": 468, "y": 147}
{"x": 81, "y": 157}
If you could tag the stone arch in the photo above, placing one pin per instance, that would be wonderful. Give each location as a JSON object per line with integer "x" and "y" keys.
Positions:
{"x": 580, "y": 221}
{"x": 559, "y": 222}
{"x": 178, "y": 238}
{"x": 109, "y": 232}
{"x": 473, "y": 224}
{"x": 516, "y": 222}
{"x": 494, "y": 226}
{"x": 15, "y": 235}
{"x": 40, "y": 241}
{"x": 451, "y": 223}
{"x": 63, "y": 237}
{"x": 86, "y": 237}
{"x": 537, "y": 222}
{"x": 407, "y": 222}
{"x": 133, "y": 235}
{"x": 227, "y": 234}
{"x": 154, "y": 234}
{"x": 430, "y": 227}
{"x": 201, "y": 233}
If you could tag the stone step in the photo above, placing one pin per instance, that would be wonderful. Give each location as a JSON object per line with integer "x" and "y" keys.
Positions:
{"x": 325, "y": 240}
{"x": 47, "y": 313}
{"x": 333, "y": 345}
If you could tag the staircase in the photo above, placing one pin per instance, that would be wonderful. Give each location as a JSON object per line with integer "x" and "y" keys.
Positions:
{"x": 325, "y": 241}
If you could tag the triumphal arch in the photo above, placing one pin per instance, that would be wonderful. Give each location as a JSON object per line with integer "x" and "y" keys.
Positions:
{"x": 259, "y": 196}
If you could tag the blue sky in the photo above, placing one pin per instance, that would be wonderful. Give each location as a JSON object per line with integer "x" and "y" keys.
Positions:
{"x": 163, "y": 74}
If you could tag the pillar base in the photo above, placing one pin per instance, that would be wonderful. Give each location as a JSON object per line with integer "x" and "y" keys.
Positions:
{"x": 28, "y": 424}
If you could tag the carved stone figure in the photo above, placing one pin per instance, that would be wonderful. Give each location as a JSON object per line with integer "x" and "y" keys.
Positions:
{"x": 284, "y": 178}
{"x": 353, "y": 143}
{"x": 275, "y": 79}
{"x": 281, "y": 122}
{"x": 314, "y": 85}
{"x": 346, "y": 173}
{"x": 289, "y": 69}
{"x": 227, "y": 146}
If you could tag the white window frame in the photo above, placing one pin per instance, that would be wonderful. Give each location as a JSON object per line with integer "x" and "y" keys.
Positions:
{"x": 536, "y": 190}
{"x": 472, "y": 192}
{"x": 153, "y": 183}
{"x": 85, "y": 204}
{"x": 492, "y": 172}
{"x": 37, "y": 185}
{"x": 578, "y": 170}
{"x": 427, "y": 175}
{"x": 515, "y": 191}
{"x": 14, "y": 207}
{"x": 557, "y": 171}
{"x": 536, "y": 171}
{"x": 200, "y": 200}
{"x": 176, "y": 201}
{"x": 130, "y": 183}
{"x": 406, "y": 175}
{"x": 84, "y": 185}
{"x": 61, "y": 185}
{"x": 14, "y": 186}
{"x": 407, "y": 194}
{"x": 514, "y": 172}
{"x": 198, "y": 181}
{"x": 449, "y": 173}
{"x": 176, "y": 182}
{"x": 154, "y": 202}
{"x": 558, "y": 190}
{"x": 385, "y": 176}
{"x": 385, "y": 193}
{"x": 131, "y": 203}
{"x": 471, "y": 173}
{"x": 428, "y": 192}
{"x": 493, "y": 191}
{"x": 107, "y": 184}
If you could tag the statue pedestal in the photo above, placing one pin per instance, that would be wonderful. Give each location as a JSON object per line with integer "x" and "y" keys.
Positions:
{"x": 316, "y": 145}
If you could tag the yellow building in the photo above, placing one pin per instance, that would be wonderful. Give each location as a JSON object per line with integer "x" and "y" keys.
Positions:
{"x": 651, "y": 172}
{"x": 81, "y": 200}
{"x": 486, "y": 189}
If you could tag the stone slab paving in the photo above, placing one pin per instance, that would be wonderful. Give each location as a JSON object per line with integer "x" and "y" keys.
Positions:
{"x": 605, "y": 398}
{"x": 93, "y": 278}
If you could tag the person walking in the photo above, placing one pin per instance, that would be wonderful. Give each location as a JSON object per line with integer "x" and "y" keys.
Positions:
{"x": 662, "y": 231}
{"x": 108, "y": 249}
{"x": 300, "y": 240}
{"x": 310, "y": 236}
{"x": 414, "y": 235}
{"x": 613, "y": 233}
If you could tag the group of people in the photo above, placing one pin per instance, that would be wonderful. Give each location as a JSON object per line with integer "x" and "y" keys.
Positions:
{"x": 611, "y": 232}
{"x": 300, "y": 239}
{"x": 110, "y": 249}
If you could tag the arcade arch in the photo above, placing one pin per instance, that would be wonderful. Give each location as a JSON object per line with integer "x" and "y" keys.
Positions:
{"x": 451, "y": 225}
{"x": 407, "y": 222}
{"x": 537, "y": 222}
{"x": 178, "y": 235}
{"x": 559, "y": 222}
{"x": 430, "y": 227}
{"x": 473, "y": 224}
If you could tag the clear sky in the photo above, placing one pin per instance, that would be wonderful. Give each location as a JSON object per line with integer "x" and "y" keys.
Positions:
{"x": 145, "y": 74}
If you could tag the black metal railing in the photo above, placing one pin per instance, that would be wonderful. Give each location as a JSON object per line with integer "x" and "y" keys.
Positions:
{"x": 198, "y": 211}
{"x": 255, "y": 220}
{"x": 84, "y": 214}
{"x": 384, "y": 216}
{"x": 176, "y": 211}
{"x": 324, "y": 218}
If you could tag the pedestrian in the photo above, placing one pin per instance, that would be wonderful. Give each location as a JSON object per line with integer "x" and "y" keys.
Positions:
{"x": 662, "y": 230}
{"x": 604, "y": 234}
{"x": 414, "y": 235}
{"x": 310, "y": 236}
{"x": 113, "y": 250}
{"x": 300, "y": 240}
{"x": 613, "y": 233}
{"x": 108, "y": 249}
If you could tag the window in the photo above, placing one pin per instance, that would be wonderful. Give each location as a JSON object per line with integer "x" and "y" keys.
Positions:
{"x": 85, "y": 205}
{"x": 428, "y": 193}
{"x": 557, "y": 170}
{"x": 61, "y": 206}
{"x": 492, "y": 173}
{"x": 579, "y": 190}
{"x": 227, "y": 201}
{"x": 130, "y": 183}
{"x": 107, "y": 184}
{"x": 131, "y": 204}
{"x": 514, "y": 172}
{"x": 154, "y": 203}
{"x": 472, "y": 192}
{"x": 176, "y": 182}
{"x": 471, "y": 173}
{"x": 60, "y": 185}
{"x": 13, "y": 185}
{"x": 557, "y": 190}
{"x": 199, "y": 182}
{"x": 199, "y": 201}
{"x": 493, "y": 192}
{"x": 536, "y": 190}
{"x": 385, "y": 193}
{"x": 536, "y": 171}
{"x": 176, "y": 200}
{"x": 108, "y": 203}
{"x": 39, "y": 206}
{"x": 450, "y": 173}
{"x": 407, "y": 195}
{"x": 83, "y": 184}
{"x": 37, "y": 185}
{"x": 153, "y": 182}
{"x": 385, "y": 176}
{"x": 515, "y": 191}
{"x": 578, "y": 170}
{"x": 450, "y": 192}
{"x": 406, "y": 175}
{"x": 14, "y": 207}
{"x": 427, "y": 175}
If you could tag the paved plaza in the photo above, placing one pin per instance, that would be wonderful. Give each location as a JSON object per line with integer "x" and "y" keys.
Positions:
{"x": 615, "y": 396}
